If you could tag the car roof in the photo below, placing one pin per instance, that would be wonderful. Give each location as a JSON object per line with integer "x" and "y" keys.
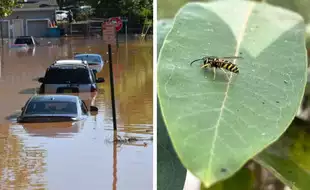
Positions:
{"x": 69, "y": 61}
{"x": 73, "y": 63}
{"x": 24, "y": 36}
{"x": 58, "y": 98}
{"x": 86, "y": 54}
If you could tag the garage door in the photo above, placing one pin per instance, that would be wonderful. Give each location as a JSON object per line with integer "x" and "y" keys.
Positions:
{"x": 5, "y": 29}
{"x": 37, "y": 28}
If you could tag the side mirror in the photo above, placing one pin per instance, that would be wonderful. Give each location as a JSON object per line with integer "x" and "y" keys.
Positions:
{"x": 41, "y": 79}
{"x": 100, "y": 80}
{"x": 93, "y": 109}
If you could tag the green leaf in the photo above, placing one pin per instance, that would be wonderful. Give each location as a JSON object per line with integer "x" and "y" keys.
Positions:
{"x": 299, "y": 6}
{"x": 168, "y": 8}
{"x": 242, "y": 180}
{"x": 163, "y": 27}
{"x": 289, "y": 158}
{"x": 171, "y": 173}
{"x": 222, "y": 123}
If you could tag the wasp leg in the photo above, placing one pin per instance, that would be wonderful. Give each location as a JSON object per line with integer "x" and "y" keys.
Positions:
{"x": 225, "y": 73}
{"x": 214, "y": 73}
{"x": 204, "y": 67}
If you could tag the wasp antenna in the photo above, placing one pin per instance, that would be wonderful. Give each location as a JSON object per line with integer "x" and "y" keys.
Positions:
{"x": 195, "y": 61}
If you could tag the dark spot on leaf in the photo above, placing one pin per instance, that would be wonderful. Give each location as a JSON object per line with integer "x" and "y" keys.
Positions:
{"x": 285, "y": 82}
{"x": 263, "y": 102}
{"x": 223, "y": 170}
{"x": 290, "y": 171}
{"x": 277, "y": 102}
{"x": 240, "y": 53}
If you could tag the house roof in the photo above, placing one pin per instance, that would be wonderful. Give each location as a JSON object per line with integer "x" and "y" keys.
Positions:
{"x": 31, "y": 5}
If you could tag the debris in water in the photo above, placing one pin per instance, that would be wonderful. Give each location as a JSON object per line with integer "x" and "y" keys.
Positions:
{"x": 127, "y": 140}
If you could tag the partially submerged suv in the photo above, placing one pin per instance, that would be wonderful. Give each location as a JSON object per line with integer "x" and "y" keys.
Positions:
{"x": 69, "y": 76}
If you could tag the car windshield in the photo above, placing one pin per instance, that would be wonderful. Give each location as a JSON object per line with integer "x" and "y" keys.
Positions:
{"x": 27, "y": 41}
{"x": 67, "y": 76}
{"x": 89, "y": 58}
{"x": 51, "y": 107}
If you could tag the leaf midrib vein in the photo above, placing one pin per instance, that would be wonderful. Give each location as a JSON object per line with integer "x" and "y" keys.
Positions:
{"x": 215, "y": 136}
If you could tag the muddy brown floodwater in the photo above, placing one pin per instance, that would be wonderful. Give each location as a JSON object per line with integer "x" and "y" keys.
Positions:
{"x": 81, "y": 155}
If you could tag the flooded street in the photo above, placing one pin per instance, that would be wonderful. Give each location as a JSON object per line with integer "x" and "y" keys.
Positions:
{"x": 84, "y": 154}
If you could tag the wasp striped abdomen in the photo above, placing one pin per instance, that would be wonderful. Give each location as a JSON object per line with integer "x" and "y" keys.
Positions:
{"x": 228, "y": 66}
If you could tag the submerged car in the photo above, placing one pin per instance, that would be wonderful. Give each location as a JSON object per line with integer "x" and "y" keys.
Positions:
{"x": 53, "y": 130}
{"x": 94, "y": 61}
{"x": 54, "y": 108}
{"x": 69, "y": 76}
{"x": 29, "y": 40}
{"x": 24, "y": 46}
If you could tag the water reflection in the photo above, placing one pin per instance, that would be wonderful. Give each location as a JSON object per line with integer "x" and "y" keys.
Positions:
{"x": 81, "y": 155}
{"x": 21, "y": 166}
{"x": 55, "y": 130}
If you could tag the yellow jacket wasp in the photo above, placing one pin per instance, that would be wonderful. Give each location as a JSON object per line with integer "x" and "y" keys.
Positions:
{"x": 219, "y": 62}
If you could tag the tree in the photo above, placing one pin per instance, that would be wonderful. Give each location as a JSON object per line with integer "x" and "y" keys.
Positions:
{"x": 6, "y": 7}
{"x": 126, "y": 8}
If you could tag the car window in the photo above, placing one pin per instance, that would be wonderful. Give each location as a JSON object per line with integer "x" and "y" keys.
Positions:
{"x": 63, "y": 76}
{"x": 83, "y": 107}
{"x": 89, "y": 59}
{"x": 27, "y": 41}
{"x": 51, "y": 108}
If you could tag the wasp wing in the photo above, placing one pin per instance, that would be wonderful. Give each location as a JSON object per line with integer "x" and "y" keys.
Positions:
{"x": 231, "y": 57}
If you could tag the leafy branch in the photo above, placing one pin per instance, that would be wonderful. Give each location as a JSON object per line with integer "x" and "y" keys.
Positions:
{"x": 6, "y": 7}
